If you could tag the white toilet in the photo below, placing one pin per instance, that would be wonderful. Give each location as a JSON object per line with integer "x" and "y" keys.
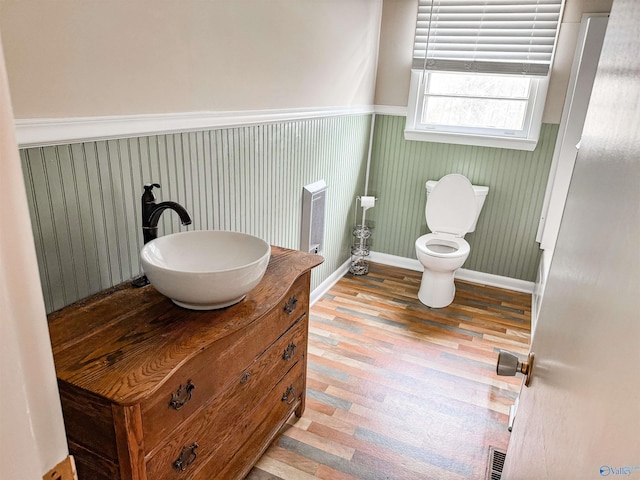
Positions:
{"x": 452, "y": 211}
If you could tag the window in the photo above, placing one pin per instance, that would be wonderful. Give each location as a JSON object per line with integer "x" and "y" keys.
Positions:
{"x": 476, "y": 109}
{"x": 480, "y": 71}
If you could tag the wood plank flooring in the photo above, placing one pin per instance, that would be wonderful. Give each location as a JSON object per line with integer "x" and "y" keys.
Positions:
{"x": 397, "y": 390}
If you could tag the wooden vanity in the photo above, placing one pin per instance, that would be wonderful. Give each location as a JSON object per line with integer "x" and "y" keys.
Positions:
{"x": 153, "y": 391}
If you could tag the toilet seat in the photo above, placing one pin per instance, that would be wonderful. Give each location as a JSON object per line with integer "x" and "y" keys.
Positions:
{"x": 451, "y": 207}
{"x": 443, "y": 245}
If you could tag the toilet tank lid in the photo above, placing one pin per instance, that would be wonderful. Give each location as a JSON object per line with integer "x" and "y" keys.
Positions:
{"x": 480, "y": 190}
{"x": 430, "y": 184}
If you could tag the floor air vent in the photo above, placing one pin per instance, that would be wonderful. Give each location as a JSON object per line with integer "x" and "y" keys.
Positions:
{"x": 495, "y": 464}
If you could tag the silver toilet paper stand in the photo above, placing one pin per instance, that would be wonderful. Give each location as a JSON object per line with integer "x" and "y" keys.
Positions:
{"x": 360, "y": 248}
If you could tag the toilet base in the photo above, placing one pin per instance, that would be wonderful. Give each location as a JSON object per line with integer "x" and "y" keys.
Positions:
{"x": 437, "y": 289}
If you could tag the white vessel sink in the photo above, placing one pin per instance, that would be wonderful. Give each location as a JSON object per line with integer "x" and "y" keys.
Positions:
{"x": 205, "y": 269}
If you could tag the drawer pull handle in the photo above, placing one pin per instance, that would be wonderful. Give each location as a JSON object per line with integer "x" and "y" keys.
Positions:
{"x": 289, "y": 351}
{"x": 245, "y": 377}
{"x": 182, "y": 396}
{"x": 187, "y": 457}
{"x": 289, "y": 395}
{"x": 290, "y": 306}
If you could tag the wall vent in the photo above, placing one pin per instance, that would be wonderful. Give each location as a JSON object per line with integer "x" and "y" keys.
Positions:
{"x": 314, "y": 209}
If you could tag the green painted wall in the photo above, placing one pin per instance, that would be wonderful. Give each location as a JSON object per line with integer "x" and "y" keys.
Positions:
{"x": 504, "y": 240}
{"x": 85, "y": 198}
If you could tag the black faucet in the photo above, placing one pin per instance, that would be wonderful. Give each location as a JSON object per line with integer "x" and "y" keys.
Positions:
{"x": 151, "y": 212}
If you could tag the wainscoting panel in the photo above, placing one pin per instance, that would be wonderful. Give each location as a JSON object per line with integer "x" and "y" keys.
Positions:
{"x": 84, "y": 198}
{"x": 504, "y": 240}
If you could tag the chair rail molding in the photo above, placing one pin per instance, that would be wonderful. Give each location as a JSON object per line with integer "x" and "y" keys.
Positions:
{"x": 40, "y": 132}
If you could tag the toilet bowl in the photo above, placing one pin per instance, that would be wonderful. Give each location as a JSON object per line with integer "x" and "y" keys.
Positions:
{"x": 452, "y": 209}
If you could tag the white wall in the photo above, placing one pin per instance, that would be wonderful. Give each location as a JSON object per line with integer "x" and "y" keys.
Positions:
{"x": 396, "y": 50}
{"x": 32, "y": 438}
{"x": 73, "y": 58}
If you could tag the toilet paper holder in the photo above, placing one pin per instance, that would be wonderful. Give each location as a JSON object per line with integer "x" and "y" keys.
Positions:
{"x": 360, "y": 249}
{"x": 367, "y": 202}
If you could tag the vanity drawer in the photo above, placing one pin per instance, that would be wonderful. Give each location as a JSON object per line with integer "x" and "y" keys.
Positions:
{"x": 207, "y": 374}
{"x": 294, "y": 304}
{"x": 257, "y": 432}
{"x": 223, "y": 416}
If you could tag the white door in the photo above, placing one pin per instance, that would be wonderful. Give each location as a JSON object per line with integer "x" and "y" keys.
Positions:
{"x": 580, "y": 416}
{"x": 32, "y": 438}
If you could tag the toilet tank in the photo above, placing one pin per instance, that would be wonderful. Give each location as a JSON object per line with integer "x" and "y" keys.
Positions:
{"x": 481, "y": 195}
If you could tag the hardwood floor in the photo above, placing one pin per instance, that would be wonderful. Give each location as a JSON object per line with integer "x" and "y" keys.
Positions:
{"x": 397, "y": 390}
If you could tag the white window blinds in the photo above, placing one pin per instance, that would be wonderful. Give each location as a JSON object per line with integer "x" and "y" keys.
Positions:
{"x": 486, "y": 36}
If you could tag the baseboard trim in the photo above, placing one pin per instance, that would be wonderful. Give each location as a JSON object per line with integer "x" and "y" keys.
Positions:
{"x": 396, "y": 261}
{"x": 329, "y": 282}
{"x": 473, "y": 276}
{"x": 40, "y": 132}
{"x": 65, "y": 470}
{"x": 508, "y": 283}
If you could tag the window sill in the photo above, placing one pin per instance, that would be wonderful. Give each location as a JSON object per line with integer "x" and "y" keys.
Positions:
{"x": 528, "y": 144}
